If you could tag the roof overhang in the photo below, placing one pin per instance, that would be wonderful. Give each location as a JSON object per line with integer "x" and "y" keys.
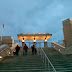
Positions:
{"x": 34, "y": 36}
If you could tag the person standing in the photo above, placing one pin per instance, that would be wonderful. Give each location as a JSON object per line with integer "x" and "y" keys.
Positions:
{"x": 25, "y": 49}
{"x": 35, "y": 51}
{"x": 32, "y": 47}
{"x": 17, "y": 50}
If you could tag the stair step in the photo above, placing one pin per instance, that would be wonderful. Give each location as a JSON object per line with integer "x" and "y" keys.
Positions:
{"x": 62, "y": 63}
{"x": 24, "y": 70}
{"x": 23, "y": 66}
{"x": 9, "y": 68}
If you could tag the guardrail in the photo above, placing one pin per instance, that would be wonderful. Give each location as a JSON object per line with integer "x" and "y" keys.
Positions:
{"x": 4, "y": 51}
{"x": 46, "y": 61}
{"x": 61, "y": 49}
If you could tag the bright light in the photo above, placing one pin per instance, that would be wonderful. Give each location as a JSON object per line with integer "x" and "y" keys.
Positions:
{"x": 34, "y": 40}
{"x": 0, "y": 57}
{"x": 45, "y": 40}
{"x": 59, "y": 49}
{"x": 54, "y": 46}
{"x": 9, "y": 52}
{"x": 23, "y": 40}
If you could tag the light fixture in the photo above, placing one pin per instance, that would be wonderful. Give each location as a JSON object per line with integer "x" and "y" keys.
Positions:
{"x": 59, "y": 49}
{"x": 54, "y": 46}
{"x": 9, "y": 52}
{"x": 23, "y": 40}
{"x": 45, "y": 40}
{"x": 34, "y": 40}
{"x": 0, "y": 57}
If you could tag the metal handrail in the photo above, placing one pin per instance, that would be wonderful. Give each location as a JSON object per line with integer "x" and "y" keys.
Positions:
{"x": 3, "y": 50}
{"x": 44, "y": 55}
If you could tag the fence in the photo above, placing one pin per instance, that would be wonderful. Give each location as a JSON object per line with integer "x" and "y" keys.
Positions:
{"x": 30, "y": 43}
{"x": 46, "y": 61}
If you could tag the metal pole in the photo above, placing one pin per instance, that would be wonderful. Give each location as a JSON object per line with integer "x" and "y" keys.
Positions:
{"x": 41, "y": 54}
{"x": 45, "y": 61}
{"x": 29, "y": 44}
{"x": 1, "y": 33}
{"x": 48, "y": 67}
{"x": 43, "y": 58}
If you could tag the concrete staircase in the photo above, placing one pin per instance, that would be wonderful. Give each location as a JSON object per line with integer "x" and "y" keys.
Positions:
{"x": 26, "y": 63}
{"x": 62, "y": 63}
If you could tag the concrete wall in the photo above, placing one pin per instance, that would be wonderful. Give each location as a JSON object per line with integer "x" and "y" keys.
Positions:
{"x": 4, "y": 51}
{"x": 7, "y": 40}
{"x": 10, "y": 43}
{"x": 67, "y": 29}
{"x": 0, "y": 42}
{"x": 61, "y": 49}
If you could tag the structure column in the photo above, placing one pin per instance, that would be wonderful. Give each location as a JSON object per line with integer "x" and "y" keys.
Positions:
{"x": 23, "y": 43}
{"x": 45, "y": 44}
{"x": 34, "y": 42}
{"x": 67, "y": 30}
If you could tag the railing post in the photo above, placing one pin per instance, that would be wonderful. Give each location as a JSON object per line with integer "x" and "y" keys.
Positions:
{"x": 45, "y": 61}
{"x": 53, "y": 70}
{"x": 41, "y": 53}
{"x": 43, "y": 58}
{"x": 48, "y": 66}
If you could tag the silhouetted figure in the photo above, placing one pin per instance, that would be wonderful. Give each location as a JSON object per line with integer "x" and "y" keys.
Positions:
{"x": 35, "y": 51}
{"x": 25, "y": 49}
{"x": 32, "y": 50}
{"x": 17, "y": 50}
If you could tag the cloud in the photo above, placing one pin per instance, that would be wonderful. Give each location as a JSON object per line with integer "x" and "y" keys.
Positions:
{"x": 34, "y": 16}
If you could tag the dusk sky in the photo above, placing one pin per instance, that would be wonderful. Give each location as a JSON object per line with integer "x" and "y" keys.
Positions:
{"x": 34, "y": 16}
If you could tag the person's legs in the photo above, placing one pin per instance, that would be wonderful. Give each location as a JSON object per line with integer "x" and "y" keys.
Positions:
{"x": 25, "y": 51}
{"x": 35, "y": 51}
{"x": 32, "y": 52}
{"x": 18, "y": 53}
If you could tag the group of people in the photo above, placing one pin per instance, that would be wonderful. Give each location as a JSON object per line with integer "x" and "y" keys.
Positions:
{"x": 34, "y": 51}
{"x": 25, "y": 48}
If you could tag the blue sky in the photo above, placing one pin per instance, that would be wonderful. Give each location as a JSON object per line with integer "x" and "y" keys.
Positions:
{"x": 34, "y": 16}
